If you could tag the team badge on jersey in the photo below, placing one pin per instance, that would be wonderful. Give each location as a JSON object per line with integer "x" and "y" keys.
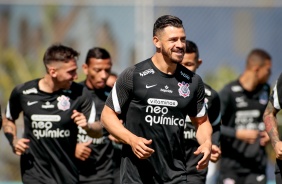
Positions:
{"x": 263, "y": 98}
{"x": 63, "y": 103}
{"x": 183, "y": 89}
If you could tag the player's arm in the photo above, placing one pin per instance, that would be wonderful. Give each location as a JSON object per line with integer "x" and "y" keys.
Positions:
{"x": 200, "y": 120}
{"x": 270, "y": 120}
{"x": 248, "y": 136}
{"x": 85, "y": 117}
{"x": 118, "y": 98}
{"x": 139, "y": 145}
{"x": 203, "y": 135}
{"x": 271, "y": 125}
{"x": 93, "y": 128}
{"x": 19, "y": 145}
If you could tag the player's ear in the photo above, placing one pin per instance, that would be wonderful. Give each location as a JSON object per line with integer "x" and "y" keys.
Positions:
{"x": 85, "y": 68}
{"x": 157, "y": 42}
{"x": 51, "y": 70}
{"x": 200, "y": 61}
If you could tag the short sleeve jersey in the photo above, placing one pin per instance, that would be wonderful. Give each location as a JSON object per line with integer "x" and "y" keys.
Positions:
{"x": 50, "y": 129}
{"x": 276, "y": 95}
{"x": 98, "y": 167}
{"x": 212, "y": 103}
{"x": 242, "y": 109}
{"x": 154, "y": 105}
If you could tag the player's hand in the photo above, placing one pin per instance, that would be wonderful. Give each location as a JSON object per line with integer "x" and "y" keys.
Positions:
{"x": 80, "y": 119}
{"x": 278, "y": 150}
{"x": 20, "y": 146}
{"x": 204, "y": 149}
{"x": 82, "y": 151}
{"x": 140, "y": 147}
{"x": 264, "y": 138}
{"x": 215, "y": 153}
{"x": 248, "y": 136}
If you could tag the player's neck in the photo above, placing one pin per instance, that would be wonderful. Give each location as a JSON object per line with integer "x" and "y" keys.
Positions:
{"x": 164, "y": 66}
{"x": 47, "y": 85}
{"x": 248, "y": 81}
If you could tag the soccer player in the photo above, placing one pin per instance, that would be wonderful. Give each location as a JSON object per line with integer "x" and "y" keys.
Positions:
{"x": 153, "y": 98}
{"x": 192, "y": 61}
{"x": 96, "y": 154}
{"x": 243, "y": 138}
{"x": 53, "y": 107}
{"x": 270, "y": 120}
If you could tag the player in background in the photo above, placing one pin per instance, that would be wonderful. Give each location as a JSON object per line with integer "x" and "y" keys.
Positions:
{"x": 96, "y": 154}
{"x": 116, "y": 143}
{"x": 153, "y": 98}
{"x": 53, "y": 107}
{"x": 271, "y": 125}
{"x": 243, "y": 138}
{"x": 192, "y": 61}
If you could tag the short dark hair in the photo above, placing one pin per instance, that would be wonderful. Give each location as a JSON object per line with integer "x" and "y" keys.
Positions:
{"x": 191, "y": 47}
{"x": 166, "y": 20}
{"x": 258, "y": 57}
{"x": 98, "y": 53}
{"x": 59, "y": 53}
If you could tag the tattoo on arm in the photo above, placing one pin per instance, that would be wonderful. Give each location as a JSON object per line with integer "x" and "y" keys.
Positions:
{"x": 9, "y": 129}
{"x": 270, "y": 122}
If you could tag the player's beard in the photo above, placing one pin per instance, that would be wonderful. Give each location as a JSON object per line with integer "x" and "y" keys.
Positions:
{"x": 175, "y": 59}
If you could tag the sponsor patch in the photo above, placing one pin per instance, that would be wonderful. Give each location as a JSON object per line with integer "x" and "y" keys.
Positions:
{"x": 29, "y": 91}
{"x": 185, "y": 75}
{"x": 146, "y": 72}
{"x": 47, "y": 105}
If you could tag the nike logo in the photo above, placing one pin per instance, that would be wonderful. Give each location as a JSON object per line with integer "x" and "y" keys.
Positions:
{"x": 31, "y": 103}
{"x": 150, "y": 86}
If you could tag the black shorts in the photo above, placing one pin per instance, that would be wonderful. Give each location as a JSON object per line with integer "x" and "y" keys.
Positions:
{"x": 278, "y": 169}
{"x": 249, "y": 178}
{"x": 196, "y": 179}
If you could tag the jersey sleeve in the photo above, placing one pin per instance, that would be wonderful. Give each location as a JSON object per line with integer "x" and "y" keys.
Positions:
{"x": 122, "y": 90}
{"x": 200, "y": 101}
{"x": 14, "y": 107}
{"x": 225, "y": 109}
{"x": 276, "y": 95}
{"x": 88, "y": 106}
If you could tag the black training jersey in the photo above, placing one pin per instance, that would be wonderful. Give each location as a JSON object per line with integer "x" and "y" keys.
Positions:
{"x": 50, "y": 129}
{"x": 191, "y": 144}
{"x": 98, "y": 168}
{"x": 276, "y": 100}
{"x": 154, "y": 106}
{"x": 276, "y": 95}
{"x": 241, "y": 109}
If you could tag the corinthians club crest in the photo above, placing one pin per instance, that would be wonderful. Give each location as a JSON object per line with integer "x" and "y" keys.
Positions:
{"x": 63, "y": 103}
{"x": 183, "y": 89}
